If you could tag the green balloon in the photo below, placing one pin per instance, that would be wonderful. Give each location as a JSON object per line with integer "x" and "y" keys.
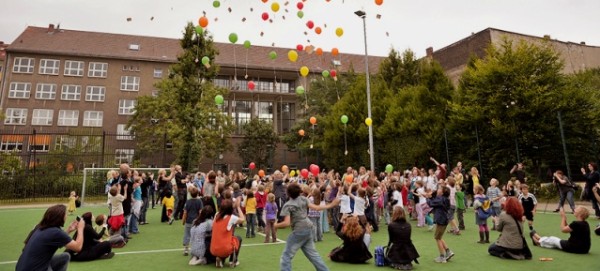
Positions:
{"x": 216, "y": 4}
{"x": 300, "y": 14}
{"x": 273, "y": 55}
{"x": 199, "y": 30}
{"x": 233, "y": 38}
{"x": 344, "y": 119}
{"x": 325, "y": 73}
{"x": 205, "y": 60}
{"x": 300, "y": 90}
{"x": 389, "y": 168}
{"x": 247, "y": 44}
{"x": 219, "y": 99}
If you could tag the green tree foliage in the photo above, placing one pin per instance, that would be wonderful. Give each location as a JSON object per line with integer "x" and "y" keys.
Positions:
{"x": 184, "y": 110}
{"x": 259, "y": 143}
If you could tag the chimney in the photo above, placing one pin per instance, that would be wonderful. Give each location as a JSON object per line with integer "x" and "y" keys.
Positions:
{"x": 546, "y": 37}
{"x": 429, "y": 52}
{"x": 51, "y": 28}
{"x": 582, "y": 43}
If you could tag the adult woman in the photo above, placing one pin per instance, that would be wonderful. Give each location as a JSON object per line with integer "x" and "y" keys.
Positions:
{"x": 401, "y": 251}
{"x": 566, "y": 190}
{"x": 592, "y": 178}
{"x": 510, "y": 223}
{"x": 164, "y": 183}
{"x": 356, "y": 238}
{"x": 224, "y": 243}
{"x": 92, "y": 249}
{"x": 46, "y": 238}
{"x": 200, "y": 236}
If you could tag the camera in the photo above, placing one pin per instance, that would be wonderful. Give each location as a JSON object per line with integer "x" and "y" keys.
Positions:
{"x": 78, "y": 218}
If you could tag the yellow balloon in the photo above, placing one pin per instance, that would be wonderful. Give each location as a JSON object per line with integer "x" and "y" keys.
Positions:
{"x": 292, "y": 173}
{"x": 339, "y": 31}
{"x": 275, "y": 7}
{"x": 292, "y": 55}
{"x": 368, "y": 121}
{"x": 304, "y": 71}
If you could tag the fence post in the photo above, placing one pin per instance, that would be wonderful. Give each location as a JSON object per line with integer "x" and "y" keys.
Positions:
{"x": 83, "y": 186}
{"x": 102, "y": 151}
{"x": 564, "y": 144}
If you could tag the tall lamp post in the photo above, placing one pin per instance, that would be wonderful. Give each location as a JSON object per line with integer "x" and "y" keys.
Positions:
{"x": 363, "y": 15}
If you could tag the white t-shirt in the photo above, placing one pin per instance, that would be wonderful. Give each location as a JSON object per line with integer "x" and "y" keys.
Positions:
{"x": 421, "y": 192}
{"x": 431, "y": 183}
{"x": 359, "y": 206}
{"x": 396, "y": 195}
{"x": 232, "y": 221}
{"x": 345, "y": 204}
{"x": 452, "y": 195}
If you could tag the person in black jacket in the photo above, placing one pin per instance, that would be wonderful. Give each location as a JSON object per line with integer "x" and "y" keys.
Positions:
{"x": 354, "y": 249}
{"x": 592, "y": 178}
{"x": 400, "y": 252}
{"x": 441, "y": 205}
{"x": 92, "y": 249}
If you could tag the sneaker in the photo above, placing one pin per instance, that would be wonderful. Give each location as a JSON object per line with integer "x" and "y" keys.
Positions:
{"x": 449, "y": 254}
{"x": 408, "y": 266}
{"x": 440, "y": 259}
{"x": 194, "y": 261}
{"x": 556, "y": 210}
{"x": 531, "y": 234}
{"x": 186, "y": 252}
{"x": 171, "y": 221}
{"x": 219, "y": 263}
{"x": 430, "y": 228}
{"x": 236, "y": 263}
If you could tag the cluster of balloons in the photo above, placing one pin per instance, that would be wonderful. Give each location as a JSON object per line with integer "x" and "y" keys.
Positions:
{"x": 252, "y": 166}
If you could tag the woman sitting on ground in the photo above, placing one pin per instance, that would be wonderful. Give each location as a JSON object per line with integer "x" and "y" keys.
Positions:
{"x": 356, "y": 239}
{"x": 200, "y": 234}
{"x": 92, "y": 249}
{"x": 510, "y": 243}
{"x": 400, "y": 252}
{"x": 579, "y": 242}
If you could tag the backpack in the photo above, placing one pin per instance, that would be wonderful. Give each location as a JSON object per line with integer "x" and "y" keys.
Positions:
{"x": 485, "y": 210}
{"x": 380, "y": 259}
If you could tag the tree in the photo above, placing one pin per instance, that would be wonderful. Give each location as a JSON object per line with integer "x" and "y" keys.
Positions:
{"x": 259, "y": 143}
{"x": 184, "y": 110}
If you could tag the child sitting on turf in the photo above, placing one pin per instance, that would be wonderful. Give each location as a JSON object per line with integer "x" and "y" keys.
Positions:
{"x": 115, "y": 240}
{"x": 529, "y": 204}
{"x": 169, "y": 203}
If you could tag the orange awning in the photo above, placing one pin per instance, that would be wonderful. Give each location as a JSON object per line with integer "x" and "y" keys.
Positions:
{"x": 12, "y": 138}
{"x": 39, "y": 140}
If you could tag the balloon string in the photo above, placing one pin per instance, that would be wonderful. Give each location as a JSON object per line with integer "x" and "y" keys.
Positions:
{"x": 246, "y": 71}
{"x": 234, "y": 64}
{"x": 345, "y": 141}
{"x": 305, "y": 96}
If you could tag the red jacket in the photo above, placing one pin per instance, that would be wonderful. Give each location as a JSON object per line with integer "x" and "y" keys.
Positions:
{"x": 261, "y": 200}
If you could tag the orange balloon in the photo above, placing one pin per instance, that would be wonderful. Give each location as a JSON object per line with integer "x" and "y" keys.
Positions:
{"x": 378, "y": 2}
{"x": 313, "y": 120}
{"x": 301, "y": 132}
{"x": 264, "y": 1}
{"x": 261, "y": 173}
{"x": 318, "y": 30}
{"x": 203, "y": 21}
{"x": 335, "y": 51}
{"x": 319, "y": 51}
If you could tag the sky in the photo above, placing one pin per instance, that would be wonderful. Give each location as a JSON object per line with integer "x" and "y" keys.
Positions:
{"x": 398, "y": 24}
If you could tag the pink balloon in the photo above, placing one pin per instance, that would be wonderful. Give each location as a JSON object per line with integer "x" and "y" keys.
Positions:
{"x": 252, "y": 166}
{"x": 304, "y": 173}
{"x": 251, "y": 85}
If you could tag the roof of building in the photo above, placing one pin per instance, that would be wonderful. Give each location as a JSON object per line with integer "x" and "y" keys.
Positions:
{"x": 40, "y": 40}
{"x": 3, "y": 50}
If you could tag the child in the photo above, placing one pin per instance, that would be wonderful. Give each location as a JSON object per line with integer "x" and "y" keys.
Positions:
{"x": 460, "y": 206}
{"x": 72, "y": 198}
{"x": 271, "y": 216}
{"x": 421, "y": 204}
{"x": 250, "y": 214}
{"x": 191, "y": 209}
{"x": 441, "y": 205}
{"x": 494, "y": 194}
{"x": 117, "y": 219}
{"x": 116, "y": 240}
{"x": 360, "y": 204}
{"x": 451, "y": 183}
{"x": 482, "y": 206}
{"x": 202, "y": 227}
{"x": 529, "y": 204}
{"x": 168, "y": 202}
{"x": 315, "y": 216}
{"x": 344, "y": 201}
{"x": 261, "y": 199}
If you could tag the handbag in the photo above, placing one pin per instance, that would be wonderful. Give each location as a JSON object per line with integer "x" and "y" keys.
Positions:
{"x": 526, "y": 251}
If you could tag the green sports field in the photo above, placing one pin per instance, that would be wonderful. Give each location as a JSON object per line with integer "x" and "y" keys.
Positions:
{"x": 158, "y": 247}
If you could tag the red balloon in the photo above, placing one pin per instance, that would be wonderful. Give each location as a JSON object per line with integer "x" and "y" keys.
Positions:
{"x": 252, "y": 165}
{"x": 300, "y": 5}
{"x": 304, "y": 173}
{"x": 299, "y": 47}
{"x": 333, "y": 73}
{"x": 314, "y": 169}
{"x": 251, "y": 85}
{"x": 310, "y": 24}
{"x": 265, "y": 16}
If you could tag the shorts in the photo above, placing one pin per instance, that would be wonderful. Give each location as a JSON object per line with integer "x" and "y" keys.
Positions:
{"x": 451, "y": 213}
{"x": 529, "y": 216}
{"x": 439, "y": 231}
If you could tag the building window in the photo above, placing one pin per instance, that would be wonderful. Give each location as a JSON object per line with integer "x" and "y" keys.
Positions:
{"x": 130, "y": 83}
{"x": 98, "y": 69}
{"x": 221, "y": 82}
{"x": 45, "y": 91}
{"x": 264, "y": 111}
{"x": 39, "y": 143}
{"x": 49, "y": 66}
{"x": 11, "y": 143}
{"x": 265, "y": 86}
{"x": 124, "y": 156}
{"x": 282, "y": 87}
{"x": 158, "y": 73}
{"x": 242, "y": 114}
{"x": 95, "y": 93}
{"x": 134, "y": 47}
{"x": 155, "y": 93}
{"x": 63, "y": 142}
{"x": 68, "y": 118}
{"x": 126, "y": 107}
{"x": 16, "y": 116}
{"x": 23, "y": 65}
{"x": 286, "y": 117}
{"x": 242, "y": 85}
{"x": 19, "y": 90}
{"x": 74, "y": 68}
{"x": 123, "y": 133}
{"x": 71, "y": 93}
{"x": 92, "y": 118}
{"x": 42, "y": 117}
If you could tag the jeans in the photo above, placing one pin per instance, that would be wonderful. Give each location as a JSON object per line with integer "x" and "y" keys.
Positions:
{"x": 144, "y": 209}
{"x": 125, "y": 228}
{"x": 301, "y": 239}
{"x": 60, "y": 262}
{"x": 317, "y": 233}
{"x": 324, "y": 222}
{"x": 133, "y": 224}
{"x": 250, "y": 221}
{"x": 335, "y": 219}
{"x": 187, "y": 234}
{"x": 568, "y": 195}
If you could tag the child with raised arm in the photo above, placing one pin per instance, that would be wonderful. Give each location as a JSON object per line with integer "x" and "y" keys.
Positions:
{"x": 441, "y": 205}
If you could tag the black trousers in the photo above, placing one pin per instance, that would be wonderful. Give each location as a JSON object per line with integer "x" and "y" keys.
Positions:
{"x": 92, "y": 253}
